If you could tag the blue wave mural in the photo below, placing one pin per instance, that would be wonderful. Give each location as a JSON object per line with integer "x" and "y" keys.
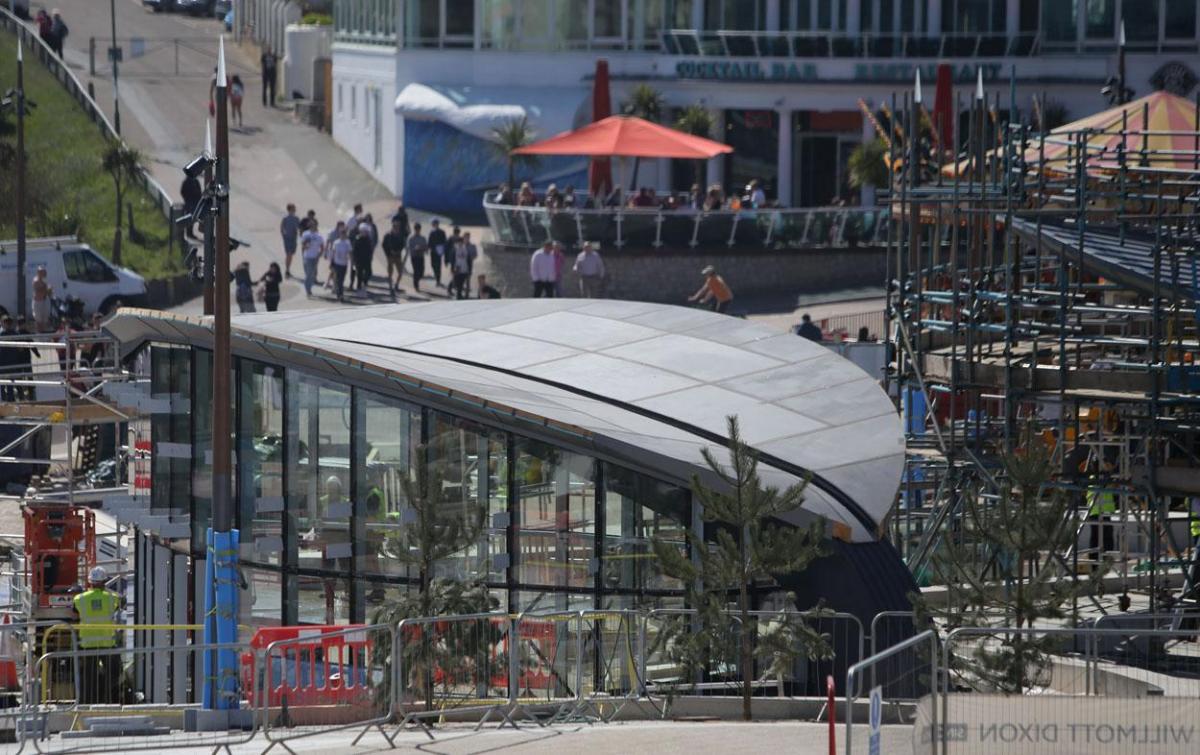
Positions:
{"x": 447, "y": 171}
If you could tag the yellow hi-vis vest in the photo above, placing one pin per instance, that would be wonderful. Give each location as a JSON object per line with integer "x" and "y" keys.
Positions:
{"x": 1195, "y": 527}
{"x": 1101, "y": 502}
{"x": 96, "y": 606}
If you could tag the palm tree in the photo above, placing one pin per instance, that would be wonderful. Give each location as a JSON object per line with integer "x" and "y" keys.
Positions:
{"x": 697, "y": 121}
{"x": 644, "y": 102}
{"x": 867, "y": 165}
{"x": 123, "y": 163}
{"x": 515, "y": 134}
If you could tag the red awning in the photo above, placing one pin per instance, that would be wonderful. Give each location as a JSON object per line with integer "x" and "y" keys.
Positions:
{"x": 626, "y": 136}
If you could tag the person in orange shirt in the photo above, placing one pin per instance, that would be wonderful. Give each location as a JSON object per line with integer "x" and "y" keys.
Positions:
{"x": 715, "y": 289}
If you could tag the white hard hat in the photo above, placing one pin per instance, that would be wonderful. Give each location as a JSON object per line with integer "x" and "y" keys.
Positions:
{"x": 98, "y": 575}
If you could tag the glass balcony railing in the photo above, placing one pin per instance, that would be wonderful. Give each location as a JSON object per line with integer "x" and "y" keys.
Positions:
{"x": 799, "y": 228}
{"x": 750, "y": 44}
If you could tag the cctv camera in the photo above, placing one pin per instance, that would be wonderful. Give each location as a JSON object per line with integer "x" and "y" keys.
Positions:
{"x": 198, "y": 165}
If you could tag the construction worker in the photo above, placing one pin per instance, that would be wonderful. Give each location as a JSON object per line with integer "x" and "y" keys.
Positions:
{"x": 98, "y": 609}
{"x": 1102, "y": 506}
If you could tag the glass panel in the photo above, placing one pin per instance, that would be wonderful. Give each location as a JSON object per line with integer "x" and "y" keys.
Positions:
{"x": 607, "y": 20}
{"x": 324, "y": 601}
{"x": 472, "y": 462}
{"x": 637, "y": 509}
{"x": 499, "y": 23}
{"x": 754, "y": 136}
{"x": 1058, "y": 20}
{"x": 679, "y": 14}
{"x": 260, "y": 462}
{"x": 318, "y": 505}
{"x": 171, "y": 381}
{"x": 1099, "y": 18}
{"x": 1141, "y": 20}
{"x": 389, "y": 433}
{"x": 1181, "y": 19}
{"x": 201, "y": 448}
{"x": 556, "y": 496}
{"x": 570, "y": 24}
{"x": 460, "y": 18}
{"x": 379, "y": 594}
{"x": 534, "y": 23}
{"x": 421, "y": 25}
{"x": 261, "y": 601}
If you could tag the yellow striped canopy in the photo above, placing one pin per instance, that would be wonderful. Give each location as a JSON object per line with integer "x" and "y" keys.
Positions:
{"x": 1159, "y": 131}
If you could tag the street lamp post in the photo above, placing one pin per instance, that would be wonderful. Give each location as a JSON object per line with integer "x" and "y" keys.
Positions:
{"x": 221, "y": 602}
{"x": 113, "y": 53}
{"x": 19, "y": 95}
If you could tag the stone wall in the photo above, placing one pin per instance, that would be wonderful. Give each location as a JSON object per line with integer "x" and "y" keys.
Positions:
{"x": 671, "y": 275}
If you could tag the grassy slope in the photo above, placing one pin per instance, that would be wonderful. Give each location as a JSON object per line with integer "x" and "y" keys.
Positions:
{"x": 62, "y": 141}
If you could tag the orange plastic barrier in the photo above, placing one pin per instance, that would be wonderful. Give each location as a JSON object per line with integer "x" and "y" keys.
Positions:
{"x": 316, "y": 665}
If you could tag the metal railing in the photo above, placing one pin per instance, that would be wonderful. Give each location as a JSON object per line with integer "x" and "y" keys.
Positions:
{"x": 769, "y": 228}
{"x": 817, "y": 44}
{"x": 59, "y": 70}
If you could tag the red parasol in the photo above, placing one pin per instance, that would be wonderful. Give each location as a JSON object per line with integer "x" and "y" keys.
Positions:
{"x": 626, "y": 136}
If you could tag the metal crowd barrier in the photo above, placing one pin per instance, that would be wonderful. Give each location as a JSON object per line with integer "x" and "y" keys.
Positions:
{"x": 322, "y": 679}
{"x": 101, "y": 711}
{"x": 924, "y": 642}
{"x": 455, "y": 666}
{"x": 806, "y": 678}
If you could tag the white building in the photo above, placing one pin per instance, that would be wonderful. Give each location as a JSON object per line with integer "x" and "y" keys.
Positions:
{"x": 418, "y": 85}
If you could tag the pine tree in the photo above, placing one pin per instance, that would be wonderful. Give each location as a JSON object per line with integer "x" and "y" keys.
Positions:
{"x": 1022, "y": 532}
{"x": 434, "y": 528}
{"x": 751, "y": 546}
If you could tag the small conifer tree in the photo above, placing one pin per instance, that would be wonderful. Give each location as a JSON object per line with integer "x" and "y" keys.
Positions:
{"x": 1003, "y": 568}
{"x": 751, "y": 546}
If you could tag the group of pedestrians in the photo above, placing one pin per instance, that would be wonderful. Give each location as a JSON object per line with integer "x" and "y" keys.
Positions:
{"x": 452, "y": 255}
{"x": 52, "y": 29}
{"x": 350, "y": 246}
{"x": 546, "y": 271}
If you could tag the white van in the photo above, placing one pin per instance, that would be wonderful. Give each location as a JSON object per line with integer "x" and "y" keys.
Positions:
{"x": 72, "y": 269}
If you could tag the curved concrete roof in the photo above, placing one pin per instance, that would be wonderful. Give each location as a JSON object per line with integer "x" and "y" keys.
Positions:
{"x": 645, "y": 379}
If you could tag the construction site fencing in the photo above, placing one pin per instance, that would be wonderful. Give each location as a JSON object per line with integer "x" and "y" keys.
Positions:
{"x": 1046, "y": 690}
{"x": 317, "y": 679}
{"x": 460, "y": 668}
{"x": 95, "y": 706}
{"x": 664, "y": 665}
{"x": 922, "y": 648}
{"x": 18, "y": 641}
{"x": 900, "y": 673}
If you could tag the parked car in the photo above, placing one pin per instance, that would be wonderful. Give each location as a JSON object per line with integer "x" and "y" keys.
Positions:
{"x": 195, "y": 7}
{"x": 72, "y": 270}
{"x": 222, "y": 8}
{"x": 158, "y": 6}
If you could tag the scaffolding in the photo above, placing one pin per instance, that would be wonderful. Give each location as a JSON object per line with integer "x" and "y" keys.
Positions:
{"x": 1048, "y": 281}
{"x": 66, "y": 404}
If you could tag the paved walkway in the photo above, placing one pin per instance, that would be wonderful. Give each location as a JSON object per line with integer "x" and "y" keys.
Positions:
{"x": 658, "y": 737}
{"x": 274, "y": 159}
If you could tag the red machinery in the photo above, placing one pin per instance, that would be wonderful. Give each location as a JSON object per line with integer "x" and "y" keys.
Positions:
{"x": 60, "y": 548}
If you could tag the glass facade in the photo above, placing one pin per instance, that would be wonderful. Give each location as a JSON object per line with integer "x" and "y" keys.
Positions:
{"x": 323, "y": 476}
{"x": 726, "y": 26}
